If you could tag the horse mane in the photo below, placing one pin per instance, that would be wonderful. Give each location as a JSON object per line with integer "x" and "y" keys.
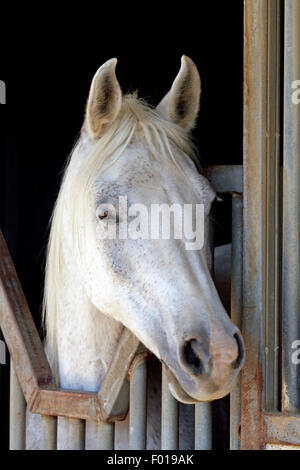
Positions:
{"x": 136, "y": 119}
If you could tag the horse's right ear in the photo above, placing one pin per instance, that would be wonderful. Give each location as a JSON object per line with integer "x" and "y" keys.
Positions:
{"x": 181, "y": 104}
{"x": 105, "y": 99}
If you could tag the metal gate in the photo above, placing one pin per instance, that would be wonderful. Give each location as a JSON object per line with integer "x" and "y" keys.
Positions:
{"x": 265, "y": 280}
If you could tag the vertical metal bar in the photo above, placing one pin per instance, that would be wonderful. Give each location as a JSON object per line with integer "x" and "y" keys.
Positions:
{"x": 76, "y": 435}
{"x": 169, "y": 416}
{"x": 203, "y": 426}
{"x": 255, "y": 149}
{"x": 105, "y": 436}
{"x": 17, "y": 416}
{"x": 236, "y": 310}
{"x": 138, "y": 403}
{"x": 48, "y": 433}
{"x": 272, "y": 258}
{"x": 291, "y": 209}
{"x": 203, "y": 411}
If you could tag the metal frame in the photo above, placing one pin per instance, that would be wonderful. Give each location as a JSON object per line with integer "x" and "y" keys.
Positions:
{"x": 263, "y": 425}
{"x": 265, "y": 298}
{"x": 31, "y": 376}
{"x": 32, "y": 368}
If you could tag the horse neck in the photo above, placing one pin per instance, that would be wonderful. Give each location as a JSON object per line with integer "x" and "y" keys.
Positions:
{"x": 86, "y": 338}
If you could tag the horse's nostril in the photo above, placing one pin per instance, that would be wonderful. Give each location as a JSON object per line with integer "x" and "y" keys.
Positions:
{"x": 195, "y": 358}
{"x": 241, "y": 353}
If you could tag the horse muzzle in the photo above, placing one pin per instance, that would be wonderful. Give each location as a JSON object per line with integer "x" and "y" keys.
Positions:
{"x": 206, "y": 371}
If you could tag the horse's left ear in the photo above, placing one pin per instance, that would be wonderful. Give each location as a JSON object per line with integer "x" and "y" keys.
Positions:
{"x": 105, "y": 99}
{"x": 181, "y": 104}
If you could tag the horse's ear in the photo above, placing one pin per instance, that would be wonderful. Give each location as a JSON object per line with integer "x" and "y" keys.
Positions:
{"x": 105, "y": 99}
{"x": 181, "y": 104}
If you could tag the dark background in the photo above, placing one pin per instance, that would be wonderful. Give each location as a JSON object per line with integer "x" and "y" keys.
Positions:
{"x": 48, "y": 60}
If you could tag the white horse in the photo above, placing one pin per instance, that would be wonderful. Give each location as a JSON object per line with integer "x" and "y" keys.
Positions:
{"x": 158, "y": 289}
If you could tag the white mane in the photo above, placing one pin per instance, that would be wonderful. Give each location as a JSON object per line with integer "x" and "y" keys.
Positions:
{"x": 83, "y": 168}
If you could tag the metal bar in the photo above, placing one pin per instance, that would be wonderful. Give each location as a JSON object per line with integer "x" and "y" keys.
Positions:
{"x": 48, "y": 433}
{"x": 76, "y": 435}
{"x": 105, "y": 436}
{"x": 271, "y": 202}
{"x": 203, "y": 411}
{"x": 138, "y": 403}
{"x": 255, "y": 148}
{"x": 236, "y": 310}
{"x": 19, "y": 330}
{"x": 114, "y": 391}
{"x": 282, "y": 429}
{"x": 225, "y": 178}
{"x": 203, "y": 426}
{"x": 169, "y": 416}
{"x": 17, "y": 415}
{"x": 291, "y": 210}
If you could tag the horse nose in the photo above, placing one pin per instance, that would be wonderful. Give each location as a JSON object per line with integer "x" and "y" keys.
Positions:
{"x": 195, "y": 357}
{"x": 198, "y": 360}
{"x": 238, "y": 361}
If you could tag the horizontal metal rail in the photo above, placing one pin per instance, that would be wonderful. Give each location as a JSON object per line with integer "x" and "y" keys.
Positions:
{"x": 225, "y": 178}
{"x": 282, "y": 429}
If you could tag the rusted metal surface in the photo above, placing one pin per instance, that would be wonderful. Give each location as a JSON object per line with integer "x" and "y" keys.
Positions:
{"x": 68, "y": 403}
{"x": 109, "y": 404}
{"x": 255, "y": 47}
{"x": 291, "y": 210}
{"x": 261, "y": 192}
{"x": 282, "y": 429}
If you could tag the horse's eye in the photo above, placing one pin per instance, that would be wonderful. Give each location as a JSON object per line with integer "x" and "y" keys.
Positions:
{"x": 103, "y": 216}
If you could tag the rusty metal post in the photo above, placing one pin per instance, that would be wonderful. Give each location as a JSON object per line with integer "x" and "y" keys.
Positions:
{"x": 138, "y": 402}
{"x": 255, "y": 93}
{"x": 17, "y": 415}
{"x": 236, "y": 309}
{"x": 291, "y": 209}
{"x": 48, "y": 433}
{"x": 169, "y": 416}
{"x": 260, "y": 240}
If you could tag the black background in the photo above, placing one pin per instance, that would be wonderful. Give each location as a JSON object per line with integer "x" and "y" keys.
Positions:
{"x": 48, "y": 59}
